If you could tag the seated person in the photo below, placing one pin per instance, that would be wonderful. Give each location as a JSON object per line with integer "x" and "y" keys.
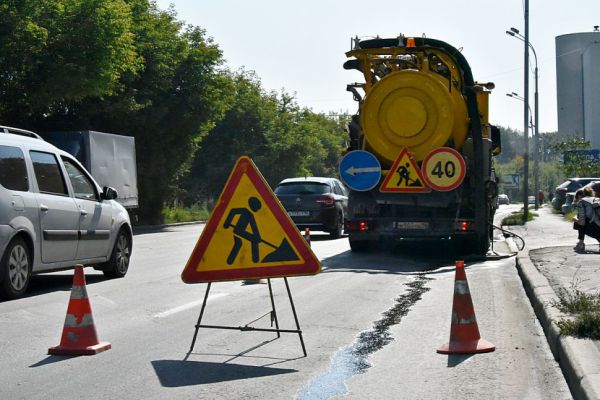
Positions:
{"x": 586, "y": 221}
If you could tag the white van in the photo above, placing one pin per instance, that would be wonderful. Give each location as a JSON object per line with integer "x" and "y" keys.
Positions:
{"x": 53, "y": 215}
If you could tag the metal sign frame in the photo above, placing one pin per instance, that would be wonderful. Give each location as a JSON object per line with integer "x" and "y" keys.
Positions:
{"x": 247, "y": 327}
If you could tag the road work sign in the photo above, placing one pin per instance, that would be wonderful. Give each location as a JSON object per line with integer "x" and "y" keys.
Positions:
{"x": 404, "y": 176}
{"x": 248, "y": 235}
{"x": 443, "y": 169}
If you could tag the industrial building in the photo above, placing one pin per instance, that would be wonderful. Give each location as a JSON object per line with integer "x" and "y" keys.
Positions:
{"x": 578, "y": 85}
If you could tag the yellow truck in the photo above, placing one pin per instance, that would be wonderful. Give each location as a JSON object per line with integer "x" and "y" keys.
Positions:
{"x": 424, "y": 121}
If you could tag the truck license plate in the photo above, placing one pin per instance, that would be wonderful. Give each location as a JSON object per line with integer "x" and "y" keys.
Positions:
{"x": 298, "y": 213}
{"x": 411, "y": 225}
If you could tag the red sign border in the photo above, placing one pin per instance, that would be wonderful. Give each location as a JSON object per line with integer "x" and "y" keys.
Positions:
{"x": 390, "y": 173}
{"x": 310, "y": 266}
{"x": 462, "y": 163}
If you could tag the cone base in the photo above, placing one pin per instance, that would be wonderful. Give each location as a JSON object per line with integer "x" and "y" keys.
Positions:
{"x": 79, "y": 351}
{"x": 467, "y": 347}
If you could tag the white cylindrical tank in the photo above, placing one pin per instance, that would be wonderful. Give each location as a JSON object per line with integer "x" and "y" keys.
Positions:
{"x": 578, "y": 85}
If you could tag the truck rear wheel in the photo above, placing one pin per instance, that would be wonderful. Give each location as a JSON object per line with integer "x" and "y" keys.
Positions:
{"x": 474, "y": 245}
{"x": 359, "y": 246}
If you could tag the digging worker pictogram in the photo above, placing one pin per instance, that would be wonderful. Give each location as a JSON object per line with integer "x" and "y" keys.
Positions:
{"x": 240, "y": 229}
{"x": 404, "y": 173}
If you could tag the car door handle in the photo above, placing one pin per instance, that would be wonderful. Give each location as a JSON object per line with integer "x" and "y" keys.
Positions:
{"x": 43, "y": 208}
{"x": 83, "y": 212}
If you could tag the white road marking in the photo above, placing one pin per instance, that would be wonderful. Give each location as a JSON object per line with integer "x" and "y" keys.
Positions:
{"x": 188, "y": 305}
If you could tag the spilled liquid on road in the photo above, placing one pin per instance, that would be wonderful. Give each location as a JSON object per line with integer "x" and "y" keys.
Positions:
{"x": 353, "y": 359}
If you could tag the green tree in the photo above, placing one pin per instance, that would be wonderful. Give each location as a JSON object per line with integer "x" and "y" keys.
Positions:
{"x": 575, "y": 161}
{"x": 143, "y": 74}
{"x": 282, "y": 139}
{"x": 53, "y": 52}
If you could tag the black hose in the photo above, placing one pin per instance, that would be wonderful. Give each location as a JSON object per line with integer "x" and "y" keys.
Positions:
{"x": 508, "y": 234}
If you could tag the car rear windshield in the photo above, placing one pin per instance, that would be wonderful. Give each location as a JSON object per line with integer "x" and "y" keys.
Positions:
{"x": 303, "y": 188}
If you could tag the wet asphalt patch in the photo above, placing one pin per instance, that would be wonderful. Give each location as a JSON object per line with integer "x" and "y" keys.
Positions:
{"x": 353, "y": 360}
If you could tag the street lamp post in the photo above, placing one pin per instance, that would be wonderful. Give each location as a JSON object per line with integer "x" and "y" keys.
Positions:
{"x": 525, "y": 113}
{"x": 536, "y": 138}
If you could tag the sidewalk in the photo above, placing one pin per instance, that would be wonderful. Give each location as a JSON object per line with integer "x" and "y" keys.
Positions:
{"x": 547, "y": 263}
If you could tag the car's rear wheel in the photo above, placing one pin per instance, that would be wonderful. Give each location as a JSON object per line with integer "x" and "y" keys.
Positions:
{"x": 15, "y": 267}
{"x": 339, "y": 227}
{"x": 118, "y": 264}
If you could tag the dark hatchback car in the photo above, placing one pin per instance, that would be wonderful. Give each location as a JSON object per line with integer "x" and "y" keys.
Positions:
{"x": 568, "y": 186}
{"x": 316, "y": 203}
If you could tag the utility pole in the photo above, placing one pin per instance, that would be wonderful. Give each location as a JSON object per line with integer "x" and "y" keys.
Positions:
{"x": 536, "y": 140}
{"x": 536, "y": 152}
{"x": 526, "y": 118}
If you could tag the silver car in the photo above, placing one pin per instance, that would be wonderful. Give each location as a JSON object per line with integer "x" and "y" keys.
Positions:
{"x": 53, "y": 215}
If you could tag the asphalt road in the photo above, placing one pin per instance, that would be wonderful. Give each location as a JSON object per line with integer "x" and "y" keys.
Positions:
{"x": 371, "y": 324}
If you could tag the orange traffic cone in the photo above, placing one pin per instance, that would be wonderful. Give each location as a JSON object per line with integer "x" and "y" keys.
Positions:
{"x": 464, "y": 332}
{"x": 79, "y": 335}
{"x": 307, "y": 235}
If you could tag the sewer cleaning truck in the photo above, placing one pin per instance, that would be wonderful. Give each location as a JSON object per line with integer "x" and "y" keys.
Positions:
{"x": 419, "y": 161}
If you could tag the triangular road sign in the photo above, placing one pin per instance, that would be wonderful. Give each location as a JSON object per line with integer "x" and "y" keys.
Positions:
{"x": 248, "y": 235}
{"x": 404, "y": 176}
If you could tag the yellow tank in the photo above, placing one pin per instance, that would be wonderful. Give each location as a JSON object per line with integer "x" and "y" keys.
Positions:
{"x": 415, "y": 109}
{"x": 412, "y": 98}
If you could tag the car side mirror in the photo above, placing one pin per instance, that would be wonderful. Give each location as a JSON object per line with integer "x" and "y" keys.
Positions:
{"x": 109, "y": 193}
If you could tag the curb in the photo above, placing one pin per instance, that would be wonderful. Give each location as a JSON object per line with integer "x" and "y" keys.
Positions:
{"x": 156, "y": 228}
{"x": 579, "y": 359}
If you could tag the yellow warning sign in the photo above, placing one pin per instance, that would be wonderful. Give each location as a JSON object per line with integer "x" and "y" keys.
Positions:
{"x": 249, "y": 235}
{"x": 404, "y": 176}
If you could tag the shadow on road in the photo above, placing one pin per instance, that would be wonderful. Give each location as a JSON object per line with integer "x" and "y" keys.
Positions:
{"x": 51, "y": 360}
{"x": 455, "y": 360}
{"x": 403, "y": 258}
{"x": 48, "y": 283}
{"x": 399, "y": 259}
{"x": 177, "y": 373}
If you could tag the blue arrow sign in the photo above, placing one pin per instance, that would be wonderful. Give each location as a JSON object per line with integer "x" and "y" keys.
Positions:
{"x": 360, "y": 170}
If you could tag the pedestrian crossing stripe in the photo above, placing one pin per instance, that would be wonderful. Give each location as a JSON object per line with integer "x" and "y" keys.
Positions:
{"x": 248, "y": 235}
{"x": 404, "y": 176}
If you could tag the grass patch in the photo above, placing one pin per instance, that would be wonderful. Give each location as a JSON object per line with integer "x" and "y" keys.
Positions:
{"x": 585, "y": 311}
{"x": 194, "y": 213}
{"x": 516, "y": 218}
{"x": 569, "y": 216}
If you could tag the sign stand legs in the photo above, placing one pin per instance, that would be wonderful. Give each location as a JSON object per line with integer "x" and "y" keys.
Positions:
{"x": 273, "y": 313}
{"x": 247, "y": 327}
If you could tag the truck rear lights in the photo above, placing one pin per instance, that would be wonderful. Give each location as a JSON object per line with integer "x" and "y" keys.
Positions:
{"x": 358, "y": 226}
{"x": 465, "y": 226}
{"x": 326, "y": 201}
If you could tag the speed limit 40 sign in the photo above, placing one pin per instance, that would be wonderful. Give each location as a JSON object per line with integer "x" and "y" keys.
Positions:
{"x": 443, "y": 169}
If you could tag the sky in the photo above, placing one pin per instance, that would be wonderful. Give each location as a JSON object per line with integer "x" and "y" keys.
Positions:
{"x": 300, "y": 46}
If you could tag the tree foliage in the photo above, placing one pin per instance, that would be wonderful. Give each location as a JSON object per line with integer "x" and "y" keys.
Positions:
{"x": 53, "y": 52}
{"x": 120, "y": 66}
{"x": 282, "y": 139}
{"x": 127, "y": 67}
